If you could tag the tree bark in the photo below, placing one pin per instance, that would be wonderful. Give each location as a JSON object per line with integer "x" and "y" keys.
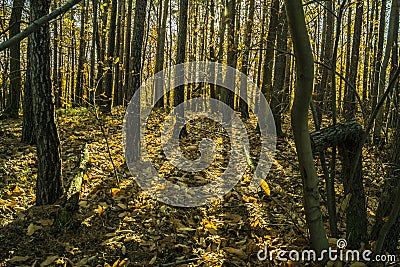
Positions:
{"x": 81, "y": 60}
{"x": 279, "y": 77}
{"x": 49, "y": 186}
{"x": 28, "y": 133}
{"x": 108, "y": 82}
{"x": 349, "y": 97}
{"x": 159, "y": 91}
{"x": 136, "y": 47}
{"x": 179, "y": 92}
{"x": 266, "y": 87}
{"x": 15, "y": 62}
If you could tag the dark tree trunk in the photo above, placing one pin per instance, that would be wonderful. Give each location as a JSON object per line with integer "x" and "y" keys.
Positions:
{"x": 227, "y": 96}
{"x": 49, "y": 185}
{"x": 127, "y": 52}
{"x": 108, "y": 82}
{"x": 28, "y": 133}
{"x": 94, "y": 44}
{"x": 379, "y": 54}
{"x": 347, "y": 136}
{"x": 179, "y": 92}
{"x": 159, "y": 91}
{"x": 266, "y": 87}
{"x": 136, "y": 46}
{"x": 119, "y": 54}
{"x": 279, "y": 77}
{"x": 387, "y": 200}
{"x": 82, "y": 56}
{"x": 15, "y": 62}
{"x": 321, "y": 88}
{"x": 349, "y": 97}
{"x": 244, "y": 109}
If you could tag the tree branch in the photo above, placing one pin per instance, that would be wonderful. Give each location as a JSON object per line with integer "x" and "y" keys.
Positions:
{"x": 37, "y": 24}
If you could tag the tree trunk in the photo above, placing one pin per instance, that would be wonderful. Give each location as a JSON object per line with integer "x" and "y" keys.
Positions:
{"x": 179, "y": 92}
{"x": 383, "y": 70}
{"x": 227, "y": 96}
{"x": 159, "y": 91}
{"x": 244, "y": 109}
{"x": 118, "y": 54}
{"x": 379, "y": 53}
{"x": 322, "y": 89}
{"x": 82, "y": 56}
{"x": 279, "y": 77}
{"x": 303, "y": 92}
{"x": 386, "y": 202}
{"x": 349, "y": 97}
{"x": 266, "y": 87}
{"x": 15, "y": 62}
{"x": 49, "y": 185}
{"x": 108, "y": 82}
{"x": 127, "y": 52}
{"x": 28, "y": 133}
{"x": 136, "y": 46}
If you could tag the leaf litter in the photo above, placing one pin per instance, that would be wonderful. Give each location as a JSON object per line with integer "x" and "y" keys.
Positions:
{"x": 118, "y": 224}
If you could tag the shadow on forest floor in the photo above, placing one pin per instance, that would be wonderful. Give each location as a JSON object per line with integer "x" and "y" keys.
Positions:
{"x": 120, "y": 225}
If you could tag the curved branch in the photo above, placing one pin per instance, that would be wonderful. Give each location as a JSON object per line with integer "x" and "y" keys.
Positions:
{"x": 34, "y": 26}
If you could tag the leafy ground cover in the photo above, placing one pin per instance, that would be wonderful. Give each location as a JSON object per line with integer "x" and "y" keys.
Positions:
{"x": 120, "y": 225}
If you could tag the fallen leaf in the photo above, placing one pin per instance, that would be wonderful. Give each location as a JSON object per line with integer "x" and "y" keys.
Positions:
{"x": 153, "y": 260}
{"x": 19, "y": 259}
{"x": 49, "y": 260}
{"x": 32, "y": 228}
{"x": 237, "y": 252}
{"x": 115, "y": 191}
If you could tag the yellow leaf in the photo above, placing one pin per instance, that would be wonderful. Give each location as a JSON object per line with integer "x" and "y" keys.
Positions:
{"x": 153, "y": 260}
{"x": 265, "y": 187}
{"x": 100, "y": 209}
{"x": 116, "y": 60}
{"x": 115, "y": 264}
{"x": 115, "y": 191}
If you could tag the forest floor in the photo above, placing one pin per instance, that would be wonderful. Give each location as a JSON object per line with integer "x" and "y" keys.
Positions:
{"x": 120, "y": 225}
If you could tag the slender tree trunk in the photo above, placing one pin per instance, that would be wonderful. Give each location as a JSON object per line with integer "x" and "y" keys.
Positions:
{"x": 160, "y": 52}
{"x": 108, "y": 82}
{"x": 49, "y": 186}
{"x": 28, "y": 132}
{"x": 227, "y": 96}
{"x": 279, "y": 77}
{"x": 94, "y": 44}
{"x": 136, "y": 46}
{"x": 179, "y": 91}
{"x": 270, "y": 50}
{"x": 117, "y": 60}
{"x": 321, "y": 89}
{"x": 82, "y": 56}
{"x": 244, "y": 109}
{"x": 349, "y": 97}
{"x": 303, "y": 92}
{"x": 379, "y": 54}
{"x": 383, "y": 70}
{"x": 15, "y": 62}
{"x": 387, "y": 198}
{"x": 127, "y": 53}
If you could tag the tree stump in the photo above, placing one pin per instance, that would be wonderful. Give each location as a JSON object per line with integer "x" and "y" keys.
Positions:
{"x": 347, "y": 137}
